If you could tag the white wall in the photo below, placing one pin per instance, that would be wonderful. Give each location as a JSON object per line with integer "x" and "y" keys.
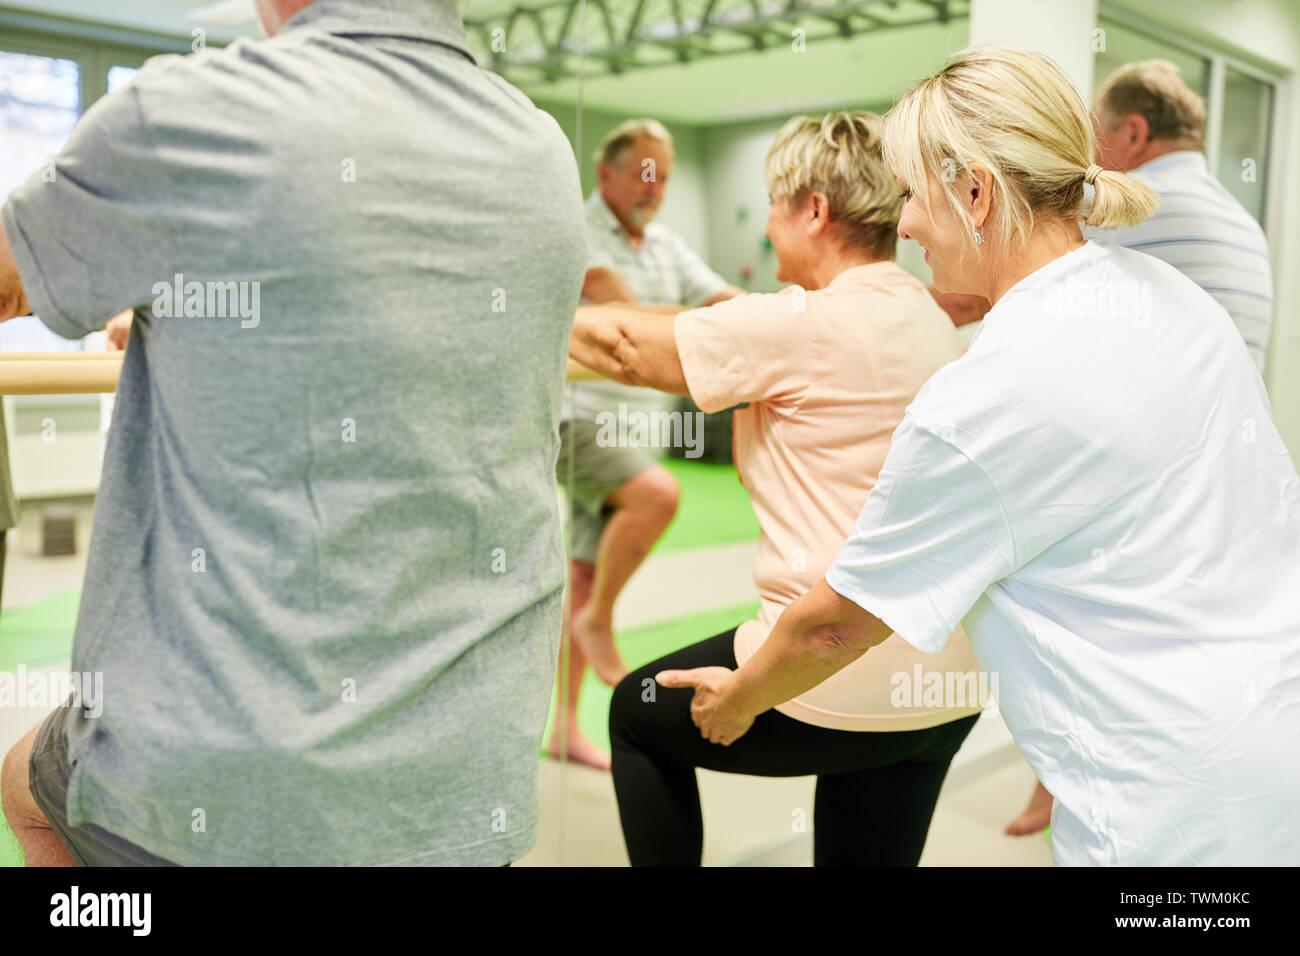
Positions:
{"x": 1059, "y": 30}
{"x": 736, "y": 201}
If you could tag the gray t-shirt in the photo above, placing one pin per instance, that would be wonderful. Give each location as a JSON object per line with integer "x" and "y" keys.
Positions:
{"x": 325, "y": 578}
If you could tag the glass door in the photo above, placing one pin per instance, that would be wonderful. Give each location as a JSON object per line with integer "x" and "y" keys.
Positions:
{"x": 1244, "y": 139}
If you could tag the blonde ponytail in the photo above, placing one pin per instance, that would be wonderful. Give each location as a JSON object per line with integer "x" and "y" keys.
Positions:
{"x": 1120, "y": 201}
{"x": 1016, "y": 114}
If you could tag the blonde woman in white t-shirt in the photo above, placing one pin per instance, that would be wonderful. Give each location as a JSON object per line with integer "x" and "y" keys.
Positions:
{"x": 1095, "y": 490}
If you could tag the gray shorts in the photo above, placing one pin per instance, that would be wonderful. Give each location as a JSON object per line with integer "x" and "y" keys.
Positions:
{"x": 90, "y": 845}
{"x": 598, "y": 471}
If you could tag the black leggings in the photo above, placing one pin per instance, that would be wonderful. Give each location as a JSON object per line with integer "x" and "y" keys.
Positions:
{"x": 875, "y": 791}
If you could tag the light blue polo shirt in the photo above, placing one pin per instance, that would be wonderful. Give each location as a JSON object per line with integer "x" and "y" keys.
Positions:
{"x": 325, "y": 576}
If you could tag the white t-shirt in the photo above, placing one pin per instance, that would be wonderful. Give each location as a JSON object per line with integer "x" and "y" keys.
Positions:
{"x": 1203, "y": 231}
{"x": 1097, "y": 492}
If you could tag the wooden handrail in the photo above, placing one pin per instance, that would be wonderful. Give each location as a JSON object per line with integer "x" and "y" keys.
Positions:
{"x": 81, "y": 373}
{"x": 59, "y": 373}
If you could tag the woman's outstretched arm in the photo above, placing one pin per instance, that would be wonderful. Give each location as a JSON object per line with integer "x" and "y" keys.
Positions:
{"x": 630, "y": 344}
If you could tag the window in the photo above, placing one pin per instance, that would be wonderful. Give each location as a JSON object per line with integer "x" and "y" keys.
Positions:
{"x": 119, "y": 76}
{"x": 40, "y": 100}
{"x": 46, "y": 82}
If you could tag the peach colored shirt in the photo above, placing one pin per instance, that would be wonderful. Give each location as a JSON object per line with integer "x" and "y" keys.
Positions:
{"x": 827, "y": 375}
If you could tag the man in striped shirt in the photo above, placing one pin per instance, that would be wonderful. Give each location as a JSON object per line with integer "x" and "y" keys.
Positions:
{"x": 1152, "y": 125}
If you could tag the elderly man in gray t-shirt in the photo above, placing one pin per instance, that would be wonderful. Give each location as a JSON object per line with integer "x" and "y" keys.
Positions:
{"x": 324, "y": 585}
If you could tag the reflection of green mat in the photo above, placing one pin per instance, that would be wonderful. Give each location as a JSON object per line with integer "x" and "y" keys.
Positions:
{"x": 639, "y": 646}
{"x": 11, "y": 854}
{"x": 39, "y": 634}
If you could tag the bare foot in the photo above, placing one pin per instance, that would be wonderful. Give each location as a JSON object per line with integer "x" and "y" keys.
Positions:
{"x": 596, "y": 641}
{"x": 580, "y": 750}
{"x": 1035, "y": 817}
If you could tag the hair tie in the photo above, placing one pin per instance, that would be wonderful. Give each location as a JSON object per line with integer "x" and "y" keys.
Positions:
{"x": 1090, "y": 176}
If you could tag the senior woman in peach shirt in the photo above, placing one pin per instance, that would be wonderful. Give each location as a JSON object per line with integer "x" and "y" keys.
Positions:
{"x": 827, "y": 368}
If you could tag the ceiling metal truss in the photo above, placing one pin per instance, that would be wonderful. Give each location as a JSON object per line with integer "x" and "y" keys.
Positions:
{"x": 542, "y": 43}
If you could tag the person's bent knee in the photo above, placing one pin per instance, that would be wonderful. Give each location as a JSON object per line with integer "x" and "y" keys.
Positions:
{"x": 623, "y": 710}
{"x": 665, "y": 493}
{"x": 655, "y": 489}
{"x": 19, "y": 807}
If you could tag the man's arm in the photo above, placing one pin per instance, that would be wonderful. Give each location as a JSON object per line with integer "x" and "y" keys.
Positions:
{"x": 119, "y": 330}
{"x": 13, "y": 301}
{"x": 602, "y": 284}
{"x": 631, "y": 344}
{"x": 730, "y": 292}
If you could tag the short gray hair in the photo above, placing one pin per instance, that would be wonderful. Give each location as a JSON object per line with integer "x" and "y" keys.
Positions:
{"x": 839, "y": 155}
{"x": 1153, "y": 89}
{"x": 617, "y": 140}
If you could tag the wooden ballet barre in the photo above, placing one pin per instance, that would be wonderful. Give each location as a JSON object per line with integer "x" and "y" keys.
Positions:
{"x": 59, "y": 373}
{"x": 57, "y": 356}
{"x": 81, "y": 373}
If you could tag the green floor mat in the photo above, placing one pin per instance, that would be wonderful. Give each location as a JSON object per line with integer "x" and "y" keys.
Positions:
{"x": 11, "y": 854}
{"x": 39, "y": 634}
{"x": 639, "y": 646}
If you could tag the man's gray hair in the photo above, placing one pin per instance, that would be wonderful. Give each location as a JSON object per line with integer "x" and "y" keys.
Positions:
{"x": 617, "y": 140}
{"x": 1154, "y": 89}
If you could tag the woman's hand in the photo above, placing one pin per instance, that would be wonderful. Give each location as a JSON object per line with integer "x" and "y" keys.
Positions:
{"x": 713, "y": 708}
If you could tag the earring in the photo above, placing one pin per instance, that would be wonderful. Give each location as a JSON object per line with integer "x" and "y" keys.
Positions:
{"x": 979, "y": 239}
